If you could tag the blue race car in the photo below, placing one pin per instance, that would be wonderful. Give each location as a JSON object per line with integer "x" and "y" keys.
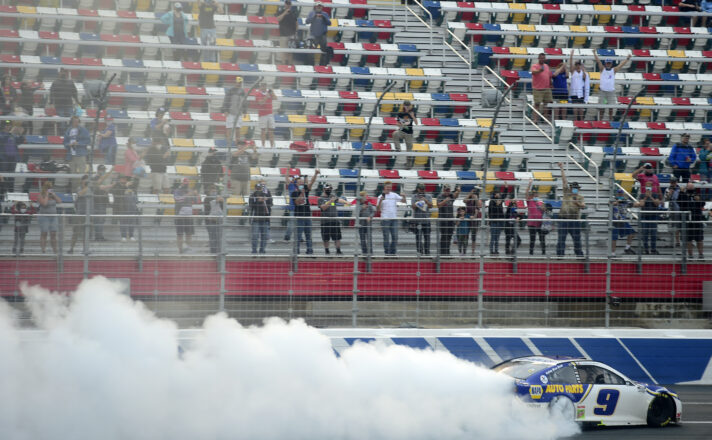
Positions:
{"x": 590, "y": 391}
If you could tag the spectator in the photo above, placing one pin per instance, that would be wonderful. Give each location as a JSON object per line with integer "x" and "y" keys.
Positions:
{"x": 496, "y": 213}
{"x": 107, "y": 140}
{"x": 132, "y": 160}
{"x": 260, "y": 206}
{"x": 125, "y": 204}
{"x": 287, "y": 17}
{"x": 689, "y": 6}
{"x": 462, "y": 226}
{"x": 48, "y": 220}
{"x": 177, "y": 30}
{"x": 76, "y": 141}
{"x": 158, "y": 157}
{"x": 607, "y": 86}
{"x": 535, "y": 214}
{"x": 649, "y": 205}
{"x": 560, "y": 91}
{"x": 421, "y": 203}
{"x": 330, "y": 225}
{"x": 206, "y": 20}
{"x": 22, "y": 216}
{"x": 240, "y": 169}
{"x": 445, "y": 202}
{"x": 621, "y": 223}
{"x": 408, "y": 107}
{"x": 81, "y": 206}
{"x": 570, "y": 213}
{"x": 405, "y": 132}
{"x": 302, "y": 211}
{"x": 473, "y": 207}
{"x": 26, "y": 102}
{"x": 512, "y": 239}
{"x": 234, "y": 107}
{"x": 211, "y": 170}
{"x": 541, "y": 85}
{"x": 366, "y": 211}
{"x": 388, "y": 207}
{"x": 8, "y": 96}
{"x": 706, "y": 6}
{"x": 9, "y": 156}
{"x": 672, "y": 196}
{"x": 214, "y": 206}
{"x": 320, "y": 22}
{"x": 706, "y": 166}
{"x": 63, "y": 96}
{"x": 681, "y": 158}
{"x": 290, "y": 184}
{"x": 646, "y": 174}
{"x": 265, "y": 111}
{"x": 185, "y": 198}
{"x": 580, "y": 86}
{"x": 100, "y": 193}
{"x": 691, "y": 202}
{"x": 160, "y": 127}
{"x": 268, "y": 194}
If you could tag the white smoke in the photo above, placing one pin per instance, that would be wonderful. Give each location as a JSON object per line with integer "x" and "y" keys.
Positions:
{"x": 106, "y": 368}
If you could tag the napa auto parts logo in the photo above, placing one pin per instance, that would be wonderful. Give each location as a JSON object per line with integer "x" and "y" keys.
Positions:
{"x": 536, "y": 391}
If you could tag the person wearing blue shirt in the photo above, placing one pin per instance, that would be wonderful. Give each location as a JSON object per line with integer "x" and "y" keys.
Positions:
{"x": 681, "y": 158}
{"x": 177, "y": 30}
{"x": 560, "y": 88}
{"x": 107, "y": 141}
{"x": 76, "y": 140}
{"x": 320, "y": 22}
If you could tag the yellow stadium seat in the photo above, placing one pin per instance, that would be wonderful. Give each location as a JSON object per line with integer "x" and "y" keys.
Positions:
{"x": 211, "y": 79}
{"x": 518, "y": 18}
{"x": 527, "y": 40}
{"x": 388, "y": 107}
{"x": 167, "y": 199}
{"x": 602, "y": 19}
{"x": 625, "y": 180}
{"x": 235, "y": 200}
{"x": 497, "y": 149}
{"x": 404, "y": 96}
{"x": 26, "y": 9}
{"x": 298, "y": 119}
{"x": 543, "y": 176}
{"x": 677, "y": 65}
{"x": 415, "y": 84}
{"x": 355, "y": 133}
{"x": 176, "y": 90}
{"x": 594, "y": 76}
{"x": 143, "y": 5}
{"x": 185, "y": 170}
{"x": 579, "y": 41}
{"x": 423, "y": 148}
{"x": 645, "y": 100}
{"x": 333, "y": 28}
{"x": 271, "y": 9}
{"x": 519, "y": 63}
{"x": 184, "y": 143}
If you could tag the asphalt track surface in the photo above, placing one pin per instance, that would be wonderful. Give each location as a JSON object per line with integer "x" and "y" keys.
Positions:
{"x": 696, "y": 420}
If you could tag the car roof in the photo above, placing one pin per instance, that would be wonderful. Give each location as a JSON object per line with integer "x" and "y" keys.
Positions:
{"x": 550, "y": 360}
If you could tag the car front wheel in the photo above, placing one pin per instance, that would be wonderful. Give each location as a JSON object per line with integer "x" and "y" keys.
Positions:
{"x": 661, "y": 410}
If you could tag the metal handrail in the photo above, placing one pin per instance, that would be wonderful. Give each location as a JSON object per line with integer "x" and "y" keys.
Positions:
{"x": 581, "y": 152}
{"x": 429, "y": 26}
{"x": 469, "y": 55}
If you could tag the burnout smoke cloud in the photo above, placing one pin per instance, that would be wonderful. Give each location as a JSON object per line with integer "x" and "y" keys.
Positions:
{"x": 105, "y": 367}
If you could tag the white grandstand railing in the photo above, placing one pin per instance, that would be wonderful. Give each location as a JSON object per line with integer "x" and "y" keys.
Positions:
{"x": 466, "y": 61}
{"x": 430, "y": 27}
{"x": 591, "y": 162}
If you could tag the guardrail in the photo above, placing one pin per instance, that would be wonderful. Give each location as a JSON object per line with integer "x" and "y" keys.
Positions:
{"x": 430, "y": 26}
{"x": 467, "y": 61}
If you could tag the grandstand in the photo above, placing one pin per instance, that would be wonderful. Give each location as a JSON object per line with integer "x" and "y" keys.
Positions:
{"x": 442, "y": 56}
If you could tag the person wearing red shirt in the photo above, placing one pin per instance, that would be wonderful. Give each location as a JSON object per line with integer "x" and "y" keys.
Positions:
{"x": 541, "y": 85}
{"x": 265, "y": 111}
{"x": 646, "y": 174}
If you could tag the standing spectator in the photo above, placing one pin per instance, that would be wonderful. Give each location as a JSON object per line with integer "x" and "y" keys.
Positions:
{"x": 63, "y": 96}
{"x": 22, "y": 218}
{"x": 421, "y": 204}
{"x": 265, "y": 111}
{"x": 473, "y": 211}
{"x": 9, "y": 156}
{"x": 570, "y": 212}
{"x": 320, "y": 22}
{"x": 366, "y": 211}
{"x": 672, "y": 196}
{"x": 177, "y": 30}
{"x": 185, "y": 198}
{"x": 240, "y": 169}
{"x": 649, "y": 205}
{"x": 512, "y": 239}
{"x": 76, "y": 141}
{"x": 646, "y": 174}
{"x": 405, "y": 132}
{"x": 107, "y": 140}
{"x": 157, "y": 157}
{"x": 330, "y": 225}
{"x": 100, "y": 193}
{"x": 132, "y": 160}
{"x": 496, "y": 214}
{"x": 125, "y": 204}
{"x": 302, "y": 211}
{"x": 260, "y": 205}
{"x": 607, "y": 86}
{"x": 268, "y": 195}
{"x": 8, "y": 95}
{"x": 621, "y": 223}
{"x": 691, "y": 202}
{"x": 681, "y": 158}
{"x": 160, "y": 127}
{"x": 287, "y": 16}
{"x": 214, "y": 207}
{"x": 407, "y": 107}
{"x": 541, "y": 85}
{"x": 535, "y": 214}
{"x": 388, "y": 206}
{"x": 290, "y": 185}
{"x": 206, "y": 20}
{"x": 580, "y": 86}
{"x": 26, "y": 102}
{"x": 48, "y": 220}
{"x": 81, "y": 206}
{"x": 689, "y": 6}
{"x": 233, "y": 107}
{"x": 445, "y": 202}
{"x": 211, "y": 170}
{"x": 560, "y": 91}
{"x": 462, "y": 226}
{"x": 706, "y": 166}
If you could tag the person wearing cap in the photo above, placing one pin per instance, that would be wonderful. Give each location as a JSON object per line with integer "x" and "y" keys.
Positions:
{"x": 650, "y": 202}
{"x": 672, "y": 196}
{"x": 580, "y": 86}
{"x": 184, "y": 198}
{"x": 365, "y": 211}
{"x": 421, "y": 203}
{"x": 692, "y": 206}
{"x": 177, "y": 31}
{"x": 302, "y": 211}
{"x": 607, "y": 85}
{"x": 646, "y": 174}
{"x": 233, "y": 107}
{"x": 265, "y": 111}
{"x": 287, "y": 16}
{"x": 405, "y": 133}
{"x": 76, "y": 141}
{"x": 320, "y": 22}
{"x": 408, "y": 107}
{"x": 446, "y": 225}
{"x": 682, "y": 157}
{"x": 107, "y": 140}
{"x": 621, "y": 223}
{"x": 541, "y": 85}
{"x": 211, "y": 170}
{"x": 240, "y": 168}
{"x": 63, "y": 96}
{"x": 157, "y": 157}
{"x": 260, "y": 207}
{"x": 570, "y": 212}
{"x": 206, "y": 20}
{"x": 388, "y": 207}
{"x": 330, "y": 224}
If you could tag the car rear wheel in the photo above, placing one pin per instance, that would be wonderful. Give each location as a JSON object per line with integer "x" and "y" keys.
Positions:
{"x": 661, "y": 411}
{"x": 563, "y": 407}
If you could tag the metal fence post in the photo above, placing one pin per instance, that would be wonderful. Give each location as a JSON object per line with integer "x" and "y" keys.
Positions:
{"x": 222, "y": 251}
{"x": 140, "y": 243}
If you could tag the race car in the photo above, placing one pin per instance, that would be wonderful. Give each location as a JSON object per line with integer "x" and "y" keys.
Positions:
{"x": 590, "y": 392}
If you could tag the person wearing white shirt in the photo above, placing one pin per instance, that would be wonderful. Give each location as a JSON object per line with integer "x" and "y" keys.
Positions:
{"x": 388, "y": 207}
{"x": 580, "y": 86}
{"x": 607, "y": 85}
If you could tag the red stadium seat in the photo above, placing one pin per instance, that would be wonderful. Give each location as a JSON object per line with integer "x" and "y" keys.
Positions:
{"x": 383, "y": 146}
{"x": 458, "y": 148}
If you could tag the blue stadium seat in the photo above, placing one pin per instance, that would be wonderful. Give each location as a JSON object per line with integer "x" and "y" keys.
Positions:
{"x": 346, "y": 173}
{"x": 483, "y": 55}
{"x": 466, "y": 175}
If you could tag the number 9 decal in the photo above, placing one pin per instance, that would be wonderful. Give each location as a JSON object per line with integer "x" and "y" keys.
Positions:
{"x": 606, "y": 402}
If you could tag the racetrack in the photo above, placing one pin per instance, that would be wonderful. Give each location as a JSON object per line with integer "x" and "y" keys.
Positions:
{"x": 696, "y": 420}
